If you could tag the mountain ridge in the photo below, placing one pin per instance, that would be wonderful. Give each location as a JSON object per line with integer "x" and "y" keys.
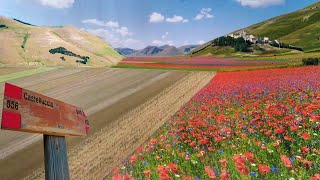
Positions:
{"x": 165, "y": 50}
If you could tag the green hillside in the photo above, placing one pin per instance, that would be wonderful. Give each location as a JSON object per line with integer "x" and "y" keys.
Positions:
{"x": 299, "y": 29}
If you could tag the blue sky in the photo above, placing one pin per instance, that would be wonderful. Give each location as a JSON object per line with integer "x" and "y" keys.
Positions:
{"x": 138, "y": 23}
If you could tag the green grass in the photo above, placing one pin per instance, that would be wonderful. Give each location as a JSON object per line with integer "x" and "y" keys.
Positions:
{"x": 299, "y": 28}
{"x": 284, "y": 57}
{"x": 25, "y": 39}
{"x": 21, "y": 74}
{"x": 216, "y": 50}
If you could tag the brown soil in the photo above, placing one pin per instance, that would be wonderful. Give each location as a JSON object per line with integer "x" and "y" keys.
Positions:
{"x": 117, "y": 138}
{"x": 105, "y": 94}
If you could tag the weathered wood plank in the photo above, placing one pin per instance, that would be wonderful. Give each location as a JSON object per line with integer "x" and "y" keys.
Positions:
{"x": 56, "y": 160}
{"x": 27, "y": 111}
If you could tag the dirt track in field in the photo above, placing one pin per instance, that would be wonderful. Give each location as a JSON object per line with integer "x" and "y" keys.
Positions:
{"x": 125, "y": 107}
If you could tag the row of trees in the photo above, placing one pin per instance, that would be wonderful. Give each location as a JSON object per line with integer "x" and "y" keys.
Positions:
{"x": 310, "y": 61}
{"x": 3, "y": 26}
{"x": 62, "y": 50}
{"x": 239, "y": 44}
{"x": 283, "y": 45}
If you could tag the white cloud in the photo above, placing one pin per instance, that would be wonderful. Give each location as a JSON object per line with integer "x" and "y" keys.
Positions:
{"x": 161, "y": 42}
{"x": 176, "y": 19}
{"x": 201, "y": 42}
{"x": 113, "y": 25}
{"x": 165, "y": 35}
{"x": 58, "y": 4}
{"x": 123, "y": 31}
{"x": 260, "y": 3}
{"x": 164, "y": 40}
{"x": 156, "y": 17}
{"x": 113, "y": 33}
{"x": 115, "y": 40}
{"x": 96, "y": 22}
{"x": 205, "y": 13}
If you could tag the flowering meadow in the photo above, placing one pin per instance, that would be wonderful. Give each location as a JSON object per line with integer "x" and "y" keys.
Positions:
{"x": 214, "y": 63}
{"x": 261, "y": 124}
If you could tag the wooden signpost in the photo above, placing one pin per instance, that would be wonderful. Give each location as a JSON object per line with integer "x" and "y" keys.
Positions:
{"x": 27, "y": 111}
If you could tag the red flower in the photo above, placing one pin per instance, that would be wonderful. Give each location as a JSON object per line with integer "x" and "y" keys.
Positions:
{"x": 139, "y": 150}
{"x": 315, "y": 177}
{"x": 223, "y": 162}
{"x": 238, "y": 159}
{"x": 224, "y": 174}
{"x": 242, "y": 169}
{"x": 305, "y": 150}
{"x": 279, "y": 130}
{"x": 210, "y": 172}
{"x": 115, "y": 171}
{"x": 305, "y": 136}
{"x": 122, "y": 177}
{"x": 147, "y": 173}
{"x": 286, "y": 161}
{"x": 173, "y": 167}
{"x": 249, "y": 156}
{"x": 185, "y": 177}
{"x": 117, "y": 177}
{"x": 263, "y": 168}
{"x": 133, "y": 158}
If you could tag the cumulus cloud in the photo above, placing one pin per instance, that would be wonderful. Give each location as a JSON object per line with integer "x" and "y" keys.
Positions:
{"x": 176, "y": 19}
{"x": 165, "y": 35}
{"x": 113, "y": 33}
{"x": 123, "y": 31}
{"x": 164, "y": 40}
{"x": 115, "y": 40}
{"x": 201, "y": 42}
{"x": 260, "y": 3}
{"x": 96, "y": 22}
{"x": 156, "y": 17}
{"x": 161, "y": 42}
{"x": 58, "y": 4}
{"x": 114, "y": 25}
{"x": 205, "y": 13}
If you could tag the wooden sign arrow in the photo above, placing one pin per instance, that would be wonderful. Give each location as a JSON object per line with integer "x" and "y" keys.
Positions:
{"x": 27, "y": 111}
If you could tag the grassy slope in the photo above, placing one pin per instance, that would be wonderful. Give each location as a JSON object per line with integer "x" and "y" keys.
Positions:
{"x": 300, "y": 28}
{"x": 16, "y": 75}
{"x": 41, "y": 39}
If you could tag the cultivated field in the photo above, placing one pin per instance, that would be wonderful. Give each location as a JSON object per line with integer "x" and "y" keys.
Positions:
{"x": 121, "y": 103}
{"x": 261, "y": 124}
{"x": 202, "y": 63}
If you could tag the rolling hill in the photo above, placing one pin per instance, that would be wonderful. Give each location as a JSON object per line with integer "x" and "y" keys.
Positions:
{"x": 300, "y": 29}
{"x": 165, "y": 50}
{"x": 25, "y": 44}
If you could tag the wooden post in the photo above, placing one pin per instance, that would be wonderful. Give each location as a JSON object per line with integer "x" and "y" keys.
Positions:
{"x": 27, "y": 111}
{"x": 55, "y": 157}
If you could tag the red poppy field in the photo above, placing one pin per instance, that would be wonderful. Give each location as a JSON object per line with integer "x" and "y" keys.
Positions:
{"x": 213, "y": 63}
{"x": 261, "y": 124}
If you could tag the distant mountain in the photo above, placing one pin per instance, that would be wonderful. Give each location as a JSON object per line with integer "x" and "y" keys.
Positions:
{"x": 165, "y": 50}
{"x": 125, "y": 51}
{"x": 188, "y": 48}
{"x": 26, "y": 44}
{"x": 300, "y": 29}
